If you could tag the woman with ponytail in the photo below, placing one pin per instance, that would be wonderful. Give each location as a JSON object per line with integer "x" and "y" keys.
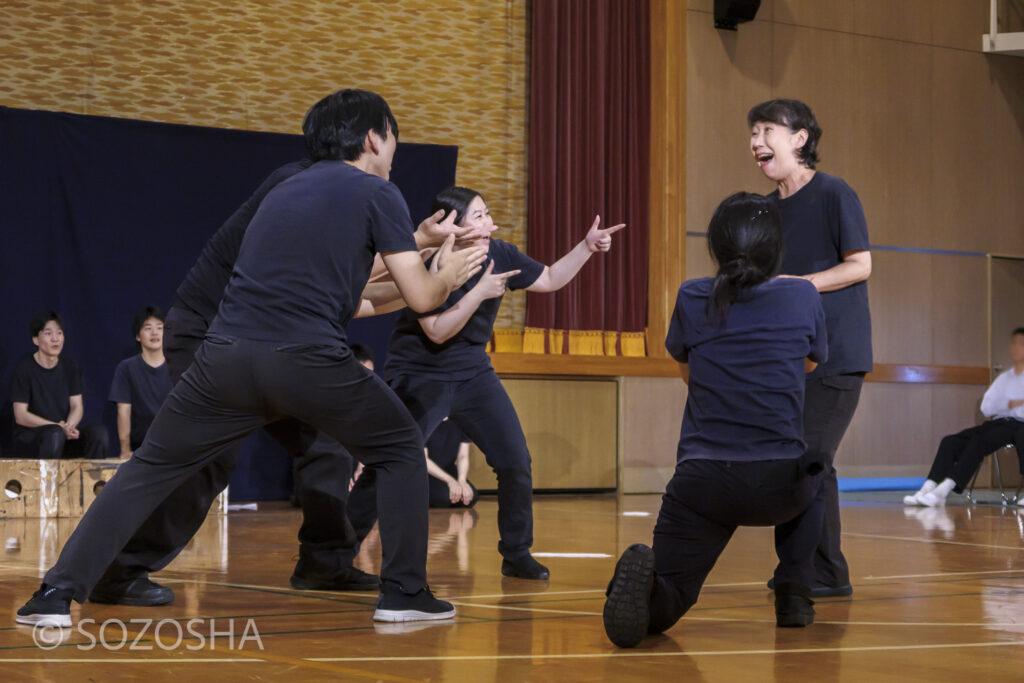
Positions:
{"x": 743, "y": 339}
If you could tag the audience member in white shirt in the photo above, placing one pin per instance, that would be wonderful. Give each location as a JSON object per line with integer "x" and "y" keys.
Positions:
{"x": 961, "y": 454}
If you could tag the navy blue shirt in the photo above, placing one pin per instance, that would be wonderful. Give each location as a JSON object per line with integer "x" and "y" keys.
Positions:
{"x": 204, "y": 285}
{"x": 820, "y": 223}
{"x": 746, "y": 389}
{"x": 144, "y": 387}
{"x": 307, "y": 254}
{"x": 465, "y": 354}
{"x": 47, "y": 391}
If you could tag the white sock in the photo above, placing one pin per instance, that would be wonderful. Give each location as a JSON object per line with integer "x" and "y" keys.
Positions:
{"x": 937, "y": 496}
{"x": 915, "y": 498}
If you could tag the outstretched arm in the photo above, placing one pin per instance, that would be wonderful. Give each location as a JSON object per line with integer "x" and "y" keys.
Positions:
{"x": 558, "y": 274}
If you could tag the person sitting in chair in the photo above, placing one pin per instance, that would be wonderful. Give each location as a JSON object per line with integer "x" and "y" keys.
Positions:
{"x": 46, "y": 393}
{"x": 960, "y": 454}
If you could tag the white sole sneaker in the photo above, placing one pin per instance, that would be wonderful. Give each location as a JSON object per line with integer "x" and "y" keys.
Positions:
{"x": 395, "y": 616}
{"x": 52, "y": 620}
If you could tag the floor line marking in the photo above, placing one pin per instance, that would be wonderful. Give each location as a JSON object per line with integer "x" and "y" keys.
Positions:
{"x": 915, "y": 539}
{"x": 527, "y": 609}
{"x": 938, "y": 574}
{"x": 699, "y": 653}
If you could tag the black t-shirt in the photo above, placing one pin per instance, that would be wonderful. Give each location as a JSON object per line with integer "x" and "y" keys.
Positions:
{"x": 410, "y": 351}
{"x": 307, "y": 255}
{"x": 46, "y": 391}
{"x": 746, "y": 389}
{"x": 144, "y": 387}
{"x": 820, "y": 223}
{"x": 443, "y": 445}
{"x": 203, "y": 287}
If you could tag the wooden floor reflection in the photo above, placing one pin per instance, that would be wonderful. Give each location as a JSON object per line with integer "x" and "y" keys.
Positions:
{"x": 939, "y": 595}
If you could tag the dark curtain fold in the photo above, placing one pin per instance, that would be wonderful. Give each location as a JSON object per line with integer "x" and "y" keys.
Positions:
{"x": 589, "y": 154}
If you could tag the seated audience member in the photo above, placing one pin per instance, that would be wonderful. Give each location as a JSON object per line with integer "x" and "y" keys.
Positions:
{"x": 142, "y": 382}
{"x": 46, "y": 390}
{"x": 960, "y": 455}
{"x": 447, "y": 454}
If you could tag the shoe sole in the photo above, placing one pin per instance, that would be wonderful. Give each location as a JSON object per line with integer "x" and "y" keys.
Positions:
{"x": 131, "y": 602}
{"x": 395, "y": 616}
{"x": 825, "y": 592}
{"x": 513, "y": 574}
{"x": 627, "y": 610}
{"x": 324, "y": 586}
{"x": 53, "y": 620}
{"x": 794, "y": 620}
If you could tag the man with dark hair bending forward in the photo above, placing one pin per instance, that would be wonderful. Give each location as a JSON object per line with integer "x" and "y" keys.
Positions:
{"x": 743, "y": 338}
{"x": 278, "y": 348}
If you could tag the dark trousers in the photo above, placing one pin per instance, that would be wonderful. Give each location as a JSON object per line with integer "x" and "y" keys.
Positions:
{"x": 704, "y": 503}
{"x": 362, "y": 502}
{"x": 322, "y": 466}
{"x": 50, "y": 443}
{"x": 482, "y": 408}
{"x": 960, "y": 454}
{"x": 233, "y": 388}
{"x": 829, "y": 405}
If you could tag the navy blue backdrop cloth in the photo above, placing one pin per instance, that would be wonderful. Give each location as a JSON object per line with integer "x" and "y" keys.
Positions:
{"x": 101, "y": 216}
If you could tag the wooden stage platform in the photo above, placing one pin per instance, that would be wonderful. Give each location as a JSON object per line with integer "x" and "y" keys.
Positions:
{"x": 939, "y": 596}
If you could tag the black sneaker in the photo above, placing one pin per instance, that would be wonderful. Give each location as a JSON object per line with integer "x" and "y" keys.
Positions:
{"x": 395, "y": 606}
{"x": 525, "y": 567}
{"x": 49, "y": 605}
{"x": 822, "y": 591}
{"x": 349, "y": 579}
{"x": 793, "y": 606}
{"x": 137, "y": 592}
{"x": 627, "y": 611}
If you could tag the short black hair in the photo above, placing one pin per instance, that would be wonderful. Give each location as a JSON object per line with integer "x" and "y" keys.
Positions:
{"x": 796, "y": 116}
{"x": 455, "y": 199}
{"x": 363, "y": 353}
{"x": 144, "y": 314}
{"x": 1019, "y": 330}
{"x": 39, "y": 320}
{"x": 336, "y": 126}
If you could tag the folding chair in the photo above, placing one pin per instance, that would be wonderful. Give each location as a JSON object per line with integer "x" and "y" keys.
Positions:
{"x": 1007, "y": 500}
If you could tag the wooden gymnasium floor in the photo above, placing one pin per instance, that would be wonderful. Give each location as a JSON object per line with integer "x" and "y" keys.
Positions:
{"x": 940, "y": 597}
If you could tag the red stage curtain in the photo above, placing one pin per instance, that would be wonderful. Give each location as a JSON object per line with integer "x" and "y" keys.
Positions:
{"x": 589, "y": 155}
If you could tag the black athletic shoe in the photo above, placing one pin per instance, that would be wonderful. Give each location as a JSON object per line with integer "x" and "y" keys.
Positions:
{"x": 395, "y": 606}
{"x": 349, "y": 579}
{"x": 525, "y": 567}
{"x": 627, "y": 611}
{"x": 137, "y": 592}
{"x": 793, "y": 606}
{"x": 49, "y": 605}
{"x": 820, "y": 591}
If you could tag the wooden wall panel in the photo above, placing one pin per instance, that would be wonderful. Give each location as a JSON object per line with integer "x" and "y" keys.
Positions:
{"x": 650, "y": 414}
{"x": 958, "y": 321}
{"x": 727, "y": 73}
{"x": 571, "y": 428}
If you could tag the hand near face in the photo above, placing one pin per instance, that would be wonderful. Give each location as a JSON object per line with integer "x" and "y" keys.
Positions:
{"x": 436, "y": 229}
{"x": 599, "y": 239}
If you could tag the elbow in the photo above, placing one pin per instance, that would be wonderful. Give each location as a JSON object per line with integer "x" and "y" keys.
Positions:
{"x": 436, "y": 337}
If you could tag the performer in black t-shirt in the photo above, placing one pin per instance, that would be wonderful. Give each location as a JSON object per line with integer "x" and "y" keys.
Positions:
{"x": 741, "y": 339}
{"x": 438, "y": 365}
{"x": 142, "y": 382}
{"x": 278, "y": 349}
{"x": 46, "y": 392}
{"x": 825, "y": 241}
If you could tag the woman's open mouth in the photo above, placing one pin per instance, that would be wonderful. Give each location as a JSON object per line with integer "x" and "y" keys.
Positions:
{"x": 763, "y": 158}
